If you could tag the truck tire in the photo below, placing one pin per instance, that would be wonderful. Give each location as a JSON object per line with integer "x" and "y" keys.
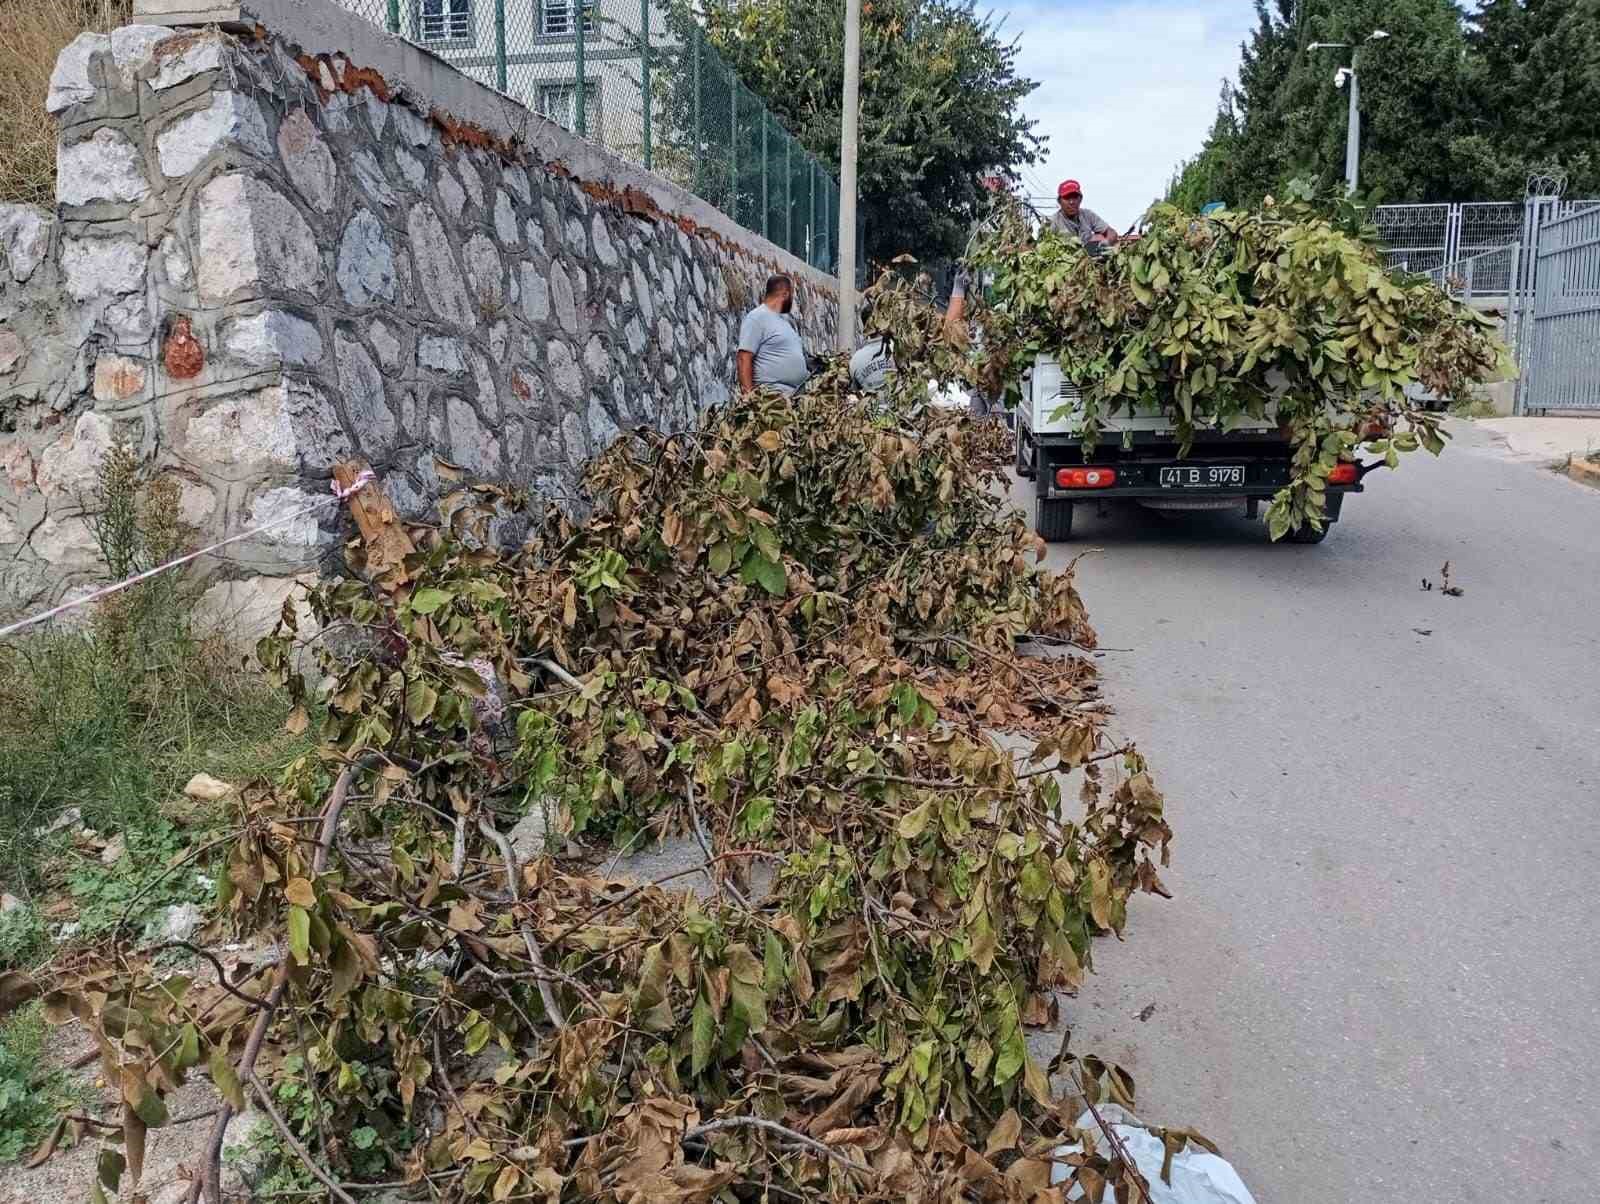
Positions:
{"x": 1308, "y": 534}
{"x": 1052, "y": 520}
{"x": 1024, "y": 460}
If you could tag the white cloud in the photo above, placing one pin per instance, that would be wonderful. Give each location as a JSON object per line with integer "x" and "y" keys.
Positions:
{"x": 1126, "y": 91}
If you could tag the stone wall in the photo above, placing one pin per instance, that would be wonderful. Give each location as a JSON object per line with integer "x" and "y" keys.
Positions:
{"x": 265, "y": 260}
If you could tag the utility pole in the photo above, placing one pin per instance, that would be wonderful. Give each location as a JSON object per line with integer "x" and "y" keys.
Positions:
{"x": 1341, "y": 77}
{"x": 847, "y": 175}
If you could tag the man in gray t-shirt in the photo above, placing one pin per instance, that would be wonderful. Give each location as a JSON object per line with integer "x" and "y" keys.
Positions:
{"x": 1072, "y": 218}
{"x": 771, "y": 355}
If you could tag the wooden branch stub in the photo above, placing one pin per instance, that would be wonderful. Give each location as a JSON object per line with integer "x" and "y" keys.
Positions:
{"x": 384, "y": 536}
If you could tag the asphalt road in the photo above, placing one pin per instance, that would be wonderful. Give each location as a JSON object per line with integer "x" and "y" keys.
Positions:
{"x": 1379, "y": 979}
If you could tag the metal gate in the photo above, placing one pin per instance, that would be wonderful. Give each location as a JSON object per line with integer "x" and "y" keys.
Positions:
{"x": 1561, "y": 352}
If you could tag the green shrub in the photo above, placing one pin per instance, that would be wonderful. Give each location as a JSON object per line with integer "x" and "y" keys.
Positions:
{"x": 32, "y": 1094}
{"x": 22, "y": 937}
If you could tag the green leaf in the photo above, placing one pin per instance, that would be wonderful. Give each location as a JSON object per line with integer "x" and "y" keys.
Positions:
{"x": 771, "y": 576}
{"x": 421, "y": 698}
{"x": 426, "y": 601}
{"x": 364, "y": 1138}
{"x": 478, "y": 1036}
{"x": 914, "y": 822}
{"x": 720, "y": 558}
{"x": 300, "y": 934}
{"x": 757, "y": 815}
{"x": 226, "y": 1079}
{"x": 109, "y": 1167}
{"x": 703, "y": 1035}
{"x": 188, "y": 1046}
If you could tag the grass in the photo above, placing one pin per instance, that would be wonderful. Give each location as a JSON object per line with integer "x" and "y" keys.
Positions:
{"x": 32, "y": 1092}
{"x": 113, "y": 719}
{"x": 32, "y": 34}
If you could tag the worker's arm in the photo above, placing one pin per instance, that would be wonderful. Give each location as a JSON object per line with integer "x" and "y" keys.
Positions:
{"x": 747, "y": 371}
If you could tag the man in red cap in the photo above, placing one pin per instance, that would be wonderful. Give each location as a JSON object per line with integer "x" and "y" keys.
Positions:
{"x": 1072, "y": 218}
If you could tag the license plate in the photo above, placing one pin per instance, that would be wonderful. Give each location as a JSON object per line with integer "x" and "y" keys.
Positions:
{"x": 1202, "y": 476}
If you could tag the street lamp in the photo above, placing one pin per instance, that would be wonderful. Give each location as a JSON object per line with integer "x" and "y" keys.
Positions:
{"x": 1352, "y": 143}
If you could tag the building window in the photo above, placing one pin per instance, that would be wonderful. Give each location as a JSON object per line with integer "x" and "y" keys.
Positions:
{"x": 559, "y": 102}
{"x": 558, "y": 18}
{"x": 444, "y": 20}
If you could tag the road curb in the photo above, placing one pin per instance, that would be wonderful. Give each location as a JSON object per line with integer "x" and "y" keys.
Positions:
{"x": 1586, "y": 471}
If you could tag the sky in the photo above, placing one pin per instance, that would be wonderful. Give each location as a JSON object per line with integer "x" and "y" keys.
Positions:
{"x": 1127, "y": 90}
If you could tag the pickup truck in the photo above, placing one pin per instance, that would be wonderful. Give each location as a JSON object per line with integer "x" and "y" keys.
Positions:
{"x": 1136, "y": 458}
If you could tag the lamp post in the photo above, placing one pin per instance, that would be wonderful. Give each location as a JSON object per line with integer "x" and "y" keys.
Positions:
{"x": 1352, "y": 140}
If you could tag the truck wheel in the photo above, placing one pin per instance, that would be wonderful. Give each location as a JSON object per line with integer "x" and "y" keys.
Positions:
{"x": 1024, "y": 460}
{"x": 1052, "y": 520}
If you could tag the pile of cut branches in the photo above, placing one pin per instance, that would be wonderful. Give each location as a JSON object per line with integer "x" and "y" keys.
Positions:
{"x": 1285, "y": 312}
{"x": 787, "y": 635}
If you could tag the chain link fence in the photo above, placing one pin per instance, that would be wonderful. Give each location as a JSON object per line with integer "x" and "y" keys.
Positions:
{"x": 646, "y": 84}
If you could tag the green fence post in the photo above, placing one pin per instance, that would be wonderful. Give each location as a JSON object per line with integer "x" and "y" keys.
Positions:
{"x": 394, "y": 16}
{"x": 766, "y": 204}
{"x": 788, "y": 195}
{"x": 811, "y": 212}
{"x": 699, "y": 144}
{"x": 644, "y": 75}
{"x": 733, "y": 146}
{"x": 579, "y": 100}
{"x": 500, "y": 44}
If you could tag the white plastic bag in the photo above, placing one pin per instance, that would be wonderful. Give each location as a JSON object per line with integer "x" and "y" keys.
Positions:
{"x": 1198, "y": 1176}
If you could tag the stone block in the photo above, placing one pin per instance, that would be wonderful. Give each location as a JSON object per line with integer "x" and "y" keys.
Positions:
{"x": 230, "y": 120}
{"x": 119, "y": 377}
{"x": 71, "y": 465}
{"x": 566, "y": 304}
{"x": 439, "y": 280}
{"x": 411, "y": 167}
{"x": 474, "y": 446}
{"x": 72, "y": 80}
{"x": 103, "y": 167}
{"x": 371, "y": 178}
{"x": 98, "y": 268}
{"x": 12, "y": 351}
{"x": 365, "y": 404}
{"x": 451, "y": 194}
{"x": 505, "y": 219}
{"x": 133, "y": 48}
{"x": 252, "y": 236}
{"x": 442, "y": 354}
{"x": 246, "y": 429}
{"x": 25, "y": 238}
{"x": 564, "y": 368}
{"x": 535, "y": 294}
{"x": 273, "y": 338}
{"x": 284, "y": 511}
{"x": 308, "y": 160}
{"x": 385, "y": 343}
{"x": 366, "y": 268}
{"x": 604, "y": 251}
{"x": 195, "y": 54}
{"x": 485, "y": 272}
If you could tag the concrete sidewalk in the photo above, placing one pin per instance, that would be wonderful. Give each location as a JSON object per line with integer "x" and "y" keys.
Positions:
{"x": 1544, "y": 440}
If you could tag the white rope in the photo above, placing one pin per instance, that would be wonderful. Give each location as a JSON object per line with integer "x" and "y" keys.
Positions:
{"x": 339, "y": 495}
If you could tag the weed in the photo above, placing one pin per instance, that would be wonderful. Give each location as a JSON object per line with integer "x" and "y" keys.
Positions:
{"x": 32, "y": 34}
{"x": 113, "y": 719}
{"x": 22, "y": 937}
{"x": 103, "y": 893}
{"x": 32, "y": 1093}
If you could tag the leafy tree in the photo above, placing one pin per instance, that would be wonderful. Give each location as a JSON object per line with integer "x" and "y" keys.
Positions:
{"x": 1454, "y": 107}
{"x": 939, "y": 105}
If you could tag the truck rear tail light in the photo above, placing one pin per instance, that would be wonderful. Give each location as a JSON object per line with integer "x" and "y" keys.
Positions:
{"x": 1085, "y": 478}
{"x": 1344, "y": 473}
